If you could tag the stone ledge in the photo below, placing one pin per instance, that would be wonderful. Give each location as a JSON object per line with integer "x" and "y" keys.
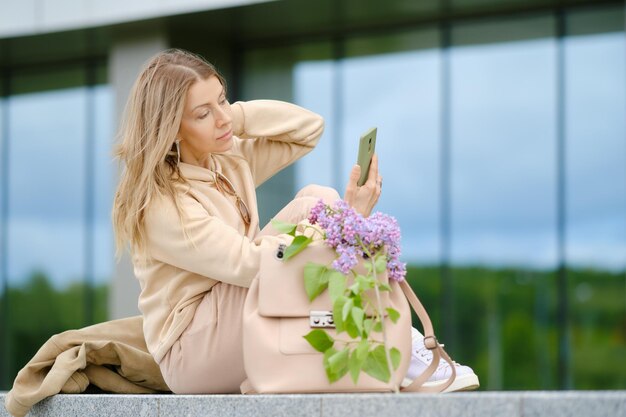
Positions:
{"x": 478, "y": 404}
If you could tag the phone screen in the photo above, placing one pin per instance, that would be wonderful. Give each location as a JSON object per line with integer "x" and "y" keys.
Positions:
{"x": 367, "y": 146}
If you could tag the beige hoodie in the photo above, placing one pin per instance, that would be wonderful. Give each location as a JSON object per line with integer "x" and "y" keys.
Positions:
{"x": 268, "y": 136}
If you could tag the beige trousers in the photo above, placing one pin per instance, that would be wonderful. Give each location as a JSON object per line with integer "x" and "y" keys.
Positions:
{"x": 208, "y": 356}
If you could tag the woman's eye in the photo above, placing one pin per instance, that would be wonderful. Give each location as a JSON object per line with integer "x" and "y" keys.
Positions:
{"x": 223, "y": 101}
{"x": 204, "y": 115}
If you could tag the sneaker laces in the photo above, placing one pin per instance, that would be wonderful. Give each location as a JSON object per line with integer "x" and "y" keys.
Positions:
{"x": 425, "y": 353}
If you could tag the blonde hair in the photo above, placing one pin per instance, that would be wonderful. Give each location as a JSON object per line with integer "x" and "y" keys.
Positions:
{"x": 147, "y": 135}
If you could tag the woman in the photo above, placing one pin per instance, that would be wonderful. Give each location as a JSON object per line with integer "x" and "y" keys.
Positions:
{"x": 186, "y": 204}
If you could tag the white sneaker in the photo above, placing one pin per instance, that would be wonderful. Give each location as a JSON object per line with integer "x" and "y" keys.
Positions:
{"x": 421, "y": 358}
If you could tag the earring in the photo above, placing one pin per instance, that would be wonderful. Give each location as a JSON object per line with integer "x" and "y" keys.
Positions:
{"x": 178, "y": 150}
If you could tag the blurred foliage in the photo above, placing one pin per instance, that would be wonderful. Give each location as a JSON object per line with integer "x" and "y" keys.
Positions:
{"x": 504, "y": 323}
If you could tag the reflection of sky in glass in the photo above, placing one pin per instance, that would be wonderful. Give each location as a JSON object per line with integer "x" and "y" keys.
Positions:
{"x": 503, "y": 156}
{"x": 376, "y": 93}
{"x": 47, "y": 177}
{"x": 596, "y": 164}
{"x": 312, "y": 89}
{"x": 46, "y": 185}
{"x": 103, "y": 184}
{"x": 398, "y": 93}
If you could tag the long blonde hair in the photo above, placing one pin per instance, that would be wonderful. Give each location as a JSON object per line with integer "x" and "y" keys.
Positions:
{"x": 147, "y": 135}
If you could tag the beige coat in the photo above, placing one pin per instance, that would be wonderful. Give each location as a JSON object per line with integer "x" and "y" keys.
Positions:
{"x": 268, "y": 136}
{"x": 112, "y": 356}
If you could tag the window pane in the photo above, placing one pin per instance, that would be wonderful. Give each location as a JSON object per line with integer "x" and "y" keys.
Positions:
{"x": 105, "y": 166}
{"x": 274, "y": 74}
{"x": 313, "y": 89}
{"x": 4, "y": 360}
{"x": 392, "y": 83}
{"x": 504, "y": 154}
{"x": 596, "y": 200}
{"x": 46, "y": 217}
{"x": 503, "y": 206}
{"x": 3, "y": 108}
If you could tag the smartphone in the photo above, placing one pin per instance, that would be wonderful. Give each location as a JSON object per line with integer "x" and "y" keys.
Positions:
{"x": 367, "y": 146}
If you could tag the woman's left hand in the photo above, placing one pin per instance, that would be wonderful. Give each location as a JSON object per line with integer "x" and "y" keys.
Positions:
{"x": 364, "y": 198}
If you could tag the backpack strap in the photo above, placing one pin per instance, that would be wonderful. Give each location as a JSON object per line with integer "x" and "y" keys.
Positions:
{"x": 431, "y": 343}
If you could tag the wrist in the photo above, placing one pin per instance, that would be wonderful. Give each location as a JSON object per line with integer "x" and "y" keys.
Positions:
{"x": 238, "y": 118}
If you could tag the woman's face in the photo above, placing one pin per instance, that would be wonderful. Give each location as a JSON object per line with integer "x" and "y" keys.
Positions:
{"x": 206, "y": 126}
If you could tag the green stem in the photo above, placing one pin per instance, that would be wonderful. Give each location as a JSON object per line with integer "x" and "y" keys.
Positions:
{"x": 380, "y": 309}
{"x": 315, "y": 229}
{"x": 348, "y": 342}
{"x": 382, "y": 323}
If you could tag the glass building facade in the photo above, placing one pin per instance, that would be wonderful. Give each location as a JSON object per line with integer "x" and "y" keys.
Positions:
{"x": 501, "y": 137}
{"x": 56, "y": 258}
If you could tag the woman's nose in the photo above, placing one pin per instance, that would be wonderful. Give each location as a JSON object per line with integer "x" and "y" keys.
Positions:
{"x": 223, "y": 117}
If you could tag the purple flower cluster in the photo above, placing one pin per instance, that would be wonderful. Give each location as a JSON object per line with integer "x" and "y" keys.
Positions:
{"x": 354, "y": 236}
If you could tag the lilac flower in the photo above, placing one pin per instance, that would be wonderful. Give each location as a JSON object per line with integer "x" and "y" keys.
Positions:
{"x": 353, "y": 236}
{"x": 317, "y": 211}
{"x": 347, "y": 259}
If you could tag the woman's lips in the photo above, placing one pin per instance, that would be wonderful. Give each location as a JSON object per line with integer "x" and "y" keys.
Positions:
{"x": 226, "y": 135}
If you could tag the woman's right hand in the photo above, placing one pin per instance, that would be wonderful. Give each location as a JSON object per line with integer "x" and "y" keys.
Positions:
{"x": 364, "y": 198}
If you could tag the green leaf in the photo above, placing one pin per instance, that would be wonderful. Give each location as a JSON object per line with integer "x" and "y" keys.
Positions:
{"x": 362, "y": 349}
{"x": 351, "y": 328}
{"x": 334, "y": 364}
{"x": 348, "y": 321}
{"x": 329, "y": 374}
{"x": 355, "y": 288}
{"x": 315, "y": 279}
{"x": 339, "y": 361}
{"x": 393, "y": 314}
{"x": 354, "y": 365}
{"x": 338, "y": 313}
{"x": 357, "y": 316}
{"x": 284, "y": 227}
{"x": 368, "y": 267}
{"x": 368, "y": 324}
{"x": 395, "y": 357}
{"x": 384, "y": 287}
{"x": 378, "y": 326}
{"x": 320, "y": 340}
{"x": 336, "y": 284}
{"x": 364, "y": 282}
{"x": 298, "y": 244}
{"x": 376, "y": 364}
{"x": 347, "y": 307}
{"x": 381, "y": 264}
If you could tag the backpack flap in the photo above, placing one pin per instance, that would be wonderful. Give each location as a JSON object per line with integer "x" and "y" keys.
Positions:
{"x": 281, "y": 284}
